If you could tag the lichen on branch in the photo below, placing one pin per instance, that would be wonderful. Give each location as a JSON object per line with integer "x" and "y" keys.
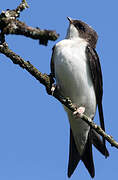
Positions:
{"x": 9, "y": 24}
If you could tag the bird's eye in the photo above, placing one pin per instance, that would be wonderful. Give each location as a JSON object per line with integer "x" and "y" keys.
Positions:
{"x": 80, "y": 26}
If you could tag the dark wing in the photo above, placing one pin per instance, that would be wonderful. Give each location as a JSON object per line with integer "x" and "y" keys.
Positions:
{"x": 96, "y": 74}
{"x": 52, "y": 63}
{"x": 98, "y": 143}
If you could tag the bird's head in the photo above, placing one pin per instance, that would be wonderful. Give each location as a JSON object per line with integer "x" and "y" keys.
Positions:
{"x": 82, "y": 30}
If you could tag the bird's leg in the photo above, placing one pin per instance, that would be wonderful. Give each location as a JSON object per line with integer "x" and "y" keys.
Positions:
{"x": 79, "y": 111}
{"x": 51, "y": 88}
{"x": 54, "y": 86}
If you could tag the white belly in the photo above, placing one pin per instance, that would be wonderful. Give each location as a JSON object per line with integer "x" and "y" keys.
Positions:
{"x": 74, "y": 79}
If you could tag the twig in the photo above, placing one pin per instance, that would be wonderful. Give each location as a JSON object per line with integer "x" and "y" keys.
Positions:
{"x": 15, "y": 13}
{"x": 16, "y": 59}
{"x": 99, "y": 130}
{"x": 9, "y": 24}
{"x": 46, "y": 80}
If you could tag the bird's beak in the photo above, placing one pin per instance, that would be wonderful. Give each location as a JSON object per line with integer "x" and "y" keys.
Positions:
{"x": 70, "y": 20}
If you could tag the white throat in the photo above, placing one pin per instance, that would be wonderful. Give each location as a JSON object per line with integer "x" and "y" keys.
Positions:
{"x": 72, "y": 32}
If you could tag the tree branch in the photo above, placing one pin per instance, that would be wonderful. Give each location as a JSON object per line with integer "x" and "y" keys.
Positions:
{"x": 15, "y": 13}
{"x": 47, "y": 81}
{"x": 10, "y": 25}
{"x": 16, "y": 59}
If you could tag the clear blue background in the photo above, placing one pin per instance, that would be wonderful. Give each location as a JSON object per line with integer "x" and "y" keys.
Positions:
{"x": 34, "y": 129}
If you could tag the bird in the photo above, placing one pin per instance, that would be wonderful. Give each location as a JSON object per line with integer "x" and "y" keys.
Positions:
{"x": 75, "y": 65}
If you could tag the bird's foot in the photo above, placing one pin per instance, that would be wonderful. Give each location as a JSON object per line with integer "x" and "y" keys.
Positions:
{"x": 79, "y": 112}
{"x": 53, "y": 88}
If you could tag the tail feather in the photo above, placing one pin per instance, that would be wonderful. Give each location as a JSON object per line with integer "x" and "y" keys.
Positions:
{"x": 74, "y": 156}
{"x": 87, "y": 157}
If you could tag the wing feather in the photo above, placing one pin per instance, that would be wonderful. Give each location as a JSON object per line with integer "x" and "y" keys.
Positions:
{"x": 96, "y": 74}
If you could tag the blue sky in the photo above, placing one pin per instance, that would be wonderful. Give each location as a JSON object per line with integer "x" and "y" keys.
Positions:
{"x": 34, "y": 129}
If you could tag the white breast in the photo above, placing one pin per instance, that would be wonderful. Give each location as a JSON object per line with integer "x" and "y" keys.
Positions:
{"x": 73, "y": 74}
{"x": 74, "y": 79}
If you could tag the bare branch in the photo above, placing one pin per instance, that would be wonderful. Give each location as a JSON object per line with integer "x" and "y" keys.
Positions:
{"x": 47, "y": 81}
{"x": 22, "y": 6}
{"x": 13, "y": 14}
{"x": 16, "y": 59}
{"x": 10, "y": 25}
